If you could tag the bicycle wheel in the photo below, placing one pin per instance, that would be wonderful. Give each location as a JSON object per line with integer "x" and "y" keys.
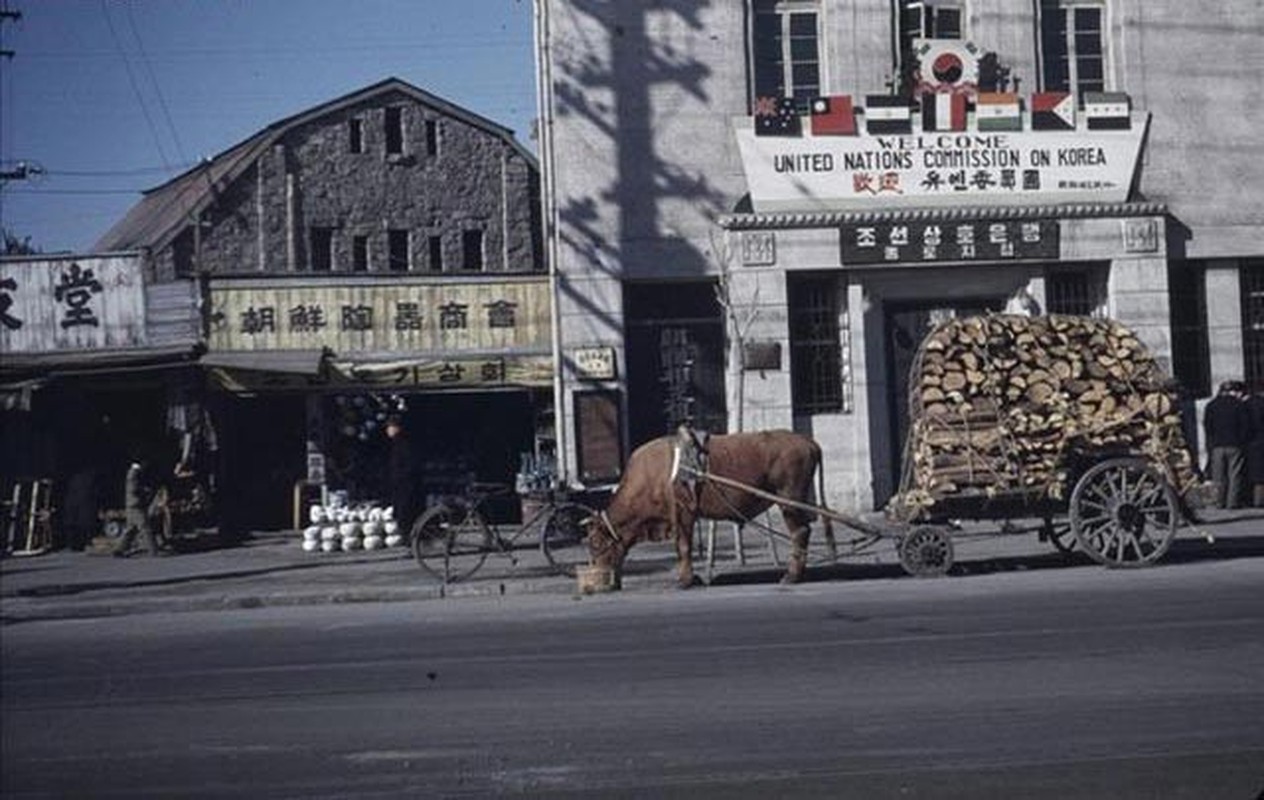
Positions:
{"x": 563, "y": 540}
{"x": 451, "y": 543}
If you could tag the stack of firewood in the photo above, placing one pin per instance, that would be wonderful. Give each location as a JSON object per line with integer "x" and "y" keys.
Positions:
{"x": 1003, "y": 403}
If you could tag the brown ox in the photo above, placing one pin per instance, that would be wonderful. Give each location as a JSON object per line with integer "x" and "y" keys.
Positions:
{"x": 649, "y": 506}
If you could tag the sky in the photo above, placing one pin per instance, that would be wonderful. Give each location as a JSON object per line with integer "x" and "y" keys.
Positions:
{"x": 112, "y": 97}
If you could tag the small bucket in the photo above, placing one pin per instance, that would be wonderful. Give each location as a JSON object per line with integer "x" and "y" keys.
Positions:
{"x": 594, "y": 579}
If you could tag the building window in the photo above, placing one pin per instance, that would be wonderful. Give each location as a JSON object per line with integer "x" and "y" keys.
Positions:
{"x": 432, "y": 138}
{"x": 924, "y": 19}
{"x": 1077, "y": 292}
{"x": 785, "y": 50}
{"x": 1073, "y": 41}
{"x": 394, "y": 130}
{"x": 355, "y": 135}
{"x": 472, "y": 250}
{"x": 816, "y": 353}
{"x": 320, "y": 256}
{"x": 360, "y": 254}
{"x": 436, "y": 253}
{"x": 1187, "y": 306}
{"x": 1251, "y": 278}
{"x": 397, "y": 250}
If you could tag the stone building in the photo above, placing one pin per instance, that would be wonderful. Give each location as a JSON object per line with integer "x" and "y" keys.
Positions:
{"x": 376, "y": 254}
{"x": 757, "y": 208}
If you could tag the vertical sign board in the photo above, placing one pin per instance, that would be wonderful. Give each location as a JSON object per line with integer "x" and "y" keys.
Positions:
{"x": 70, "y": 304}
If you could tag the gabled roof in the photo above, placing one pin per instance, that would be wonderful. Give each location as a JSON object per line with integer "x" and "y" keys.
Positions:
{"x": 165, "y": 210}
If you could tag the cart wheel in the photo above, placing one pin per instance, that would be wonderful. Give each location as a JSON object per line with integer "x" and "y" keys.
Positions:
{"x": 451, "y": 543}
{"x": 562, "y": 540}
{"x": 1124, "y": 513}
{"x": 926, "y": 552}
{"x": 1059, "y": 534}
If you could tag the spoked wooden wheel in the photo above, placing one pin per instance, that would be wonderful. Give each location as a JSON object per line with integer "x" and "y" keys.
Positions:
{"x": 926, "y": 552}
{"x": 1124, "y": 513}
{"x": 451, "y": 543}
{"x": 563, "y": 539}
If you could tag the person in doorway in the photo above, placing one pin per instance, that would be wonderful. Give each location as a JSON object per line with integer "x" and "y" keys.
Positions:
{"x": 137, "y": 494}
{"x": 1227, "y": 425}
{"x": 401, "y": 474}
{"x": 1255, "y": 449}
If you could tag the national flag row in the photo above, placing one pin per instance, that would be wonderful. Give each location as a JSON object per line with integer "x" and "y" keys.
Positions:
{"x": 835, "y": 115}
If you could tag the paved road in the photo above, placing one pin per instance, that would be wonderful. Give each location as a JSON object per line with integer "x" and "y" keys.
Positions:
{"x": 1075, "y": 682}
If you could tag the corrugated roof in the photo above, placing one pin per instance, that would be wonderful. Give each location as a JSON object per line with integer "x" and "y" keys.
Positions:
{"x": 165, "y": 210}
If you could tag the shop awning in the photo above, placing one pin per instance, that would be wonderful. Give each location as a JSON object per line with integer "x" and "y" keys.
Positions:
{"x": 251, "y": 371}
{"x": 78, "y": 362}
{"x": 290, "y": 362}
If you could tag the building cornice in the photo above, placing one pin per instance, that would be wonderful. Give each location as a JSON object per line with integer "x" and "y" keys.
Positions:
{"x": 833, "y": 219}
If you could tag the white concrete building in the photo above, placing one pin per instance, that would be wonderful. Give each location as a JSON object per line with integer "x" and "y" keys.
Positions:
{"x": 727, "y": 254}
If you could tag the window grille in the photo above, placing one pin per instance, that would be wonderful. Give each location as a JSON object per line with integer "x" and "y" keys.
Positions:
{"x": 394, "y": 124}
{"x": 436, "y": 253}
{"x": 1072, "y": 292}
{"x": 1251, "y": 284}
{"x": 472, "y": 250}
{"x": 786, "y": 50}
{"x": 1187, "y": 307}
{"x": 816, "y": 345}
{"x": 360, "y": 254}
{"x": 355, "y": 135}
{"x": 1074, "y": 46}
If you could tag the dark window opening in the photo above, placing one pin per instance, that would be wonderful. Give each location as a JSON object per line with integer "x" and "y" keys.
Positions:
{"x": 436, "y": 254}
{"x": 472, "y": 250}
{"x": 1187, "y": 307}
{"x": 321, "y": 249}
{"x": 816, "y": 363}
{"x": 394, "y": 130}
{"x": 397, "y": 250}
{"x": 432, "y": 137}
{"x": 1073, "y": 49}
{"x": 182, "y": 254}
{"x": 785, "y": 50}
{"x": 360, "y": 254}
{"x": 355, "y": 136}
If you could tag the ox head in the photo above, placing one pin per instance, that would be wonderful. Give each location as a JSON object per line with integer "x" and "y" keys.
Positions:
{"x": 605, "y": 547}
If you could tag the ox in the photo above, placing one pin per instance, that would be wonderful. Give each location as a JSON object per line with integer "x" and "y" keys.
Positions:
{"x": 649, "y": 505}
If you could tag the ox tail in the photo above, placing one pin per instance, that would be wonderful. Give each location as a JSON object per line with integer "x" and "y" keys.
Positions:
{"x": 827, "y": 523}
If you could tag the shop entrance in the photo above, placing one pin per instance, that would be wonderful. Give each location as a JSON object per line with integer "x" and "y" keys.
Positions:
{"x": 907, "y": 324}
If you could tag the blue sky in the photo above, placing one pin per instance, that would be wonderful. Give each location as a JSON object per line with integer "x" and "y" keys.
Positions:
{"x": 111, "y": 97}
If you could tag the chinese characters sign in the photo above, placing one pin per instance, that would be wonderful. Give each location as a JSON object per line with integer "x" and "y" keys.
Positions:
{"x": 935, "y": 168}
{"x": 81, "y": 303}
{"x": 978, "y": 240}
{"x": 413, "y": 317}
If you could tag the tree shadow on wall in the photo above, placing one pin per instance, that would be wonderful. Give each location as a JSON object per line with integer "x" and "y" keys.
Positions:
{"x": 624, "y": 87}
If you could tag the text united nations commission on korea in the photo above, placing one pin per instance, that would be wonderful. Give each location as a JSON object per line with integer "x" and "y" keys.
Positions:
{"x": 947, "y": 151}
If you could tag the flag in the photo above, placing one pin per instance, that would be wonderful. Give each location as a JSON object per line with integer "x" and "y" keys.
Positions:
{"x": 777, "y": 116}
{"x": 833, "y": 116}
{"x": 998, "y": 111}
{"x": 888, "y": 114}
{"x": 943, "y": 111}
{"x": 1107, "y": 111}
{"x": 1053, "y": 111}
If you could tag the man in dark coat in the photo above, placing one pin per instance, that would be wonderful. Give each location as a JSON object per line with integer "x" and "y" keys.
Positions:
{"x": 401, "y": 474}
{"x": 1227, "y": 424}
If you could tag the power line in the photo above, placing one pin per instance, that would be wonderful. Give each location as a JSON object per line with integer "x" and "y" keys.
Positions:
{"x": 153, "y": 79}
{"x": 131, "y": 77}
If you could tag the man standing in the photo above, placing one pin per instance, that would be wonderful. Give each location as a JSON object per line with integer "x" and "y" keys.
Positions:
{"x": 1227, "y": 425}
{"x": 401, "y": 474}
{"x": 137, "y": 494}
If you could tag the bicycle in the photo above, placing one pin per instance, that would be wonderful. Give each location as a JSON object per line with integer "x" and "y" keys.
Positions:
{"x": 452, "y": 539}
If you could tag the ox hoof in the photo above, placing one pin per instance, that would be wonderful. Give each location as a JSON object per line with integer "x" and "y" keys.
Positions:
{"x": 790, "y": 579}
{"x": 693, "y": 581}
